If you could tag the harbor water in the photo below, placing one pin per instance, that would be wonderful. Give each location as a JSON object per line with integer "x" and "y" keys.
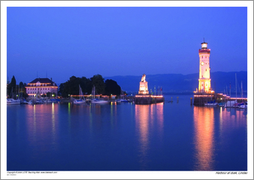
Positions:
{"x": 170, "y": 136}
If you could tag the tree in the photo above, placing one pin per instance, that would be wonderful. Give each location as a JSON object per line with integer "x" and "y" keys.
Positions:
{"x": 86, "y": 85}
{"x": 11, "y": 88}
{"x": 111, "y": 87}
{"x": 61, "y": 91}
{"x": 22, "y": 90}
{"x": 99, "y": 84}
{"x": 72, "y": 86}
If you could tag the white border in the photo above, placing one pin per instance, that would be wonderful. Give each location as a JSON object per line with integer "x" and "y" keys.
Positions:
{"x": 3, "y": 87}
{"x": 127, "y": 174}
{"x": 250, "y": 86}
{"x": 127, "y": 3}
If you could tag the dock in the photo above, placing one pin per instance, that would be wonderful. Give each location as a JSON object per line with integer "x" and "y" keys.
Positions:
{"x": 148, "y": 99}
{"x": 201, "y": 98}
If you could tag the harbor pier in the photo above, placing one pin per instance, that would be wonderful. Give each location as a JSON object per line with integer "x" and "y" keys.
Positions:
{"x": 143, "y": 96}
{"x": 201, "y": 98}
{"x": 148, "y": 99}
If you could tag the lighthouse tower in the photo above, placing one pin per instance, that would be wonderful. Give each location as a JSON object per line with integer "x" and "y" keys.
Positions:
{"x": 204, "y": 69}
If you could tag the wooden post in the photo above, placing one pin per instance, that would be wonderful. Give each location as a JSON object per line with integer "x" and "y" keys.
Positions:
{"x": 191, "y": 101}
{"x": 177, "y": 99}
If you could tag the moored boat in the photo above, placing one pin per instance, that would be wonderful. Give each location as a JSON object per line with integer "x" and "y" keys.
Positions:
{"x": 243, "y": 105}
{"x": 99, "y": 101}
{"x": 231, "y": 104}
{"x": 123, "y": 100}
{"x": 23, "y": 101}
{"x": 221, "y": 104}
{"x": 36, "y": 101}
{"x": 13, "y": 101}
{"x": 54, "y": 100}
{"x": 211, "y": 103}
{"x": 79, "y": 101}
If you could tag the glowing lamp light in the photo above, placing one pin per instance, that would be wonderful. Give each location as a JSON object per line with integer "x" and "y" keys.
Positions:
{"x": 204, "y": 45}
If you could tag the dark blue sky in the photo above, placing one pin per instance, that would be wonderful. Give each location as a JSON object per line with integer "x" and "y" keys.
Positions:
{"x": 84, "y": 41}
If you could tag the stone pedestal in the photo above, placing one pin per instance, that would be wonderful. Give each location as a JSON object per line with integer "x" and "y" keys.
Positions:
{"x": 143, "y": 88}
{"x": 143, "y": 96}
{"x": 148, "y": 99}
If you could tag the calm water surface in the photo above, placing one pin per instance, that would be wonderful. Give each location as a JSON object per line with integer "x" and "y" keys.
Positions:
{"x": 170, "y": 136}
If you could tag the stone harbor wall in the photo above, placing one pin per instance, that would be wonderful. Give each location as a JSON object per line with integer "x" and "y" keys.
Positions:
{"x": 148, "y": 100}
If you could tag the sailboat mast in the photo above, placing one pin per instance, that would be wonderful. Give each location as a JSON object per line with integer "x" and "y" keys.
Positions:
{"x": 80, "y": 92}
{"x": 230, "y": 90}
{"x": 242, "y": 88}
{"x": 93, "y": 92}
{"x": 235, "y": 85}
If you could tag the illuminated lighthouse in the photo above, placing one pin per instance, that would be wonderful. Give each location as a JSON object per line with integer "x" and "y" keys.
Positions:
{"x": 204, "y": 85}
{"x": 204, "y": 93}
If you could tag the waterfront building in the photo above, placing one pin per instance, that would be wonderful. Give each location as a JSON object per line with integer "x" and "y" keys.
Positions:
{"x": 41, "y": 86}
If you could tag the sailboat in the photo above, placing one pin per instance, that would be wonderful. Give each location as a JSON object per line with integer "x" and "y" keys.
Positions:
{"x": 13, "y": 101}
{"x": 243, "y": 104}
{"x": 97, "y": 101}
{"x": 79, "y": 101}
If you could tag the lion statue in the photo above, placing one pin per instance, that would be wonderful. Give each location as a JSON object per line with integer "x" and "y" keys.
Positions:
{"x": 143, "y": 79}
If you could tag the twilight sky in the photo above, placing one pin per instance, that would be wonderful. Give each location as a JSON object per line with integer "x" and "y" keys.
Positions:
{"x": 84, "y": 41}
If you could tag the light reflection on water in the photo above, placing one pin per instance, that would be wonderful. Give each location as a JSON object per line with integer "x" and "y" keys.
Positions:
{"x": 42, "y": 123}
{"x": 145, "y": 117}
{"x": 230, "y": 120}
{"x": 204, "y": 133}
{"x": 169, "y": 136}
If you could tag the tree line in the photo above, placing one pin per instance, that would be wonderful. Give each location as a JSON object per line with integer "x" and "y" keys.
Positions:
{"x": 16, "y": 91}
{"x": 71, "y": 87}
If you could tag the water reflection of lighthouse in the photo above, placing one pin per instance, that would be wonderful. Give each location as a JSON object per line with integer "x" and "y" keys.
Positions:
{"x": 149, "y": 119}
{"x": 204, "y": 137}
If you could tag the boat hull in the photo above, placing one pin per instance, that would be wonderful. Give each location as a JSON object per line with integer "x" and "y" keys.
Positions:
{"x": 13, "y": 101}
{"x": 211, "y": 104}
{"x": 79, "y": 101}
{"x": 99, "y": 102}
